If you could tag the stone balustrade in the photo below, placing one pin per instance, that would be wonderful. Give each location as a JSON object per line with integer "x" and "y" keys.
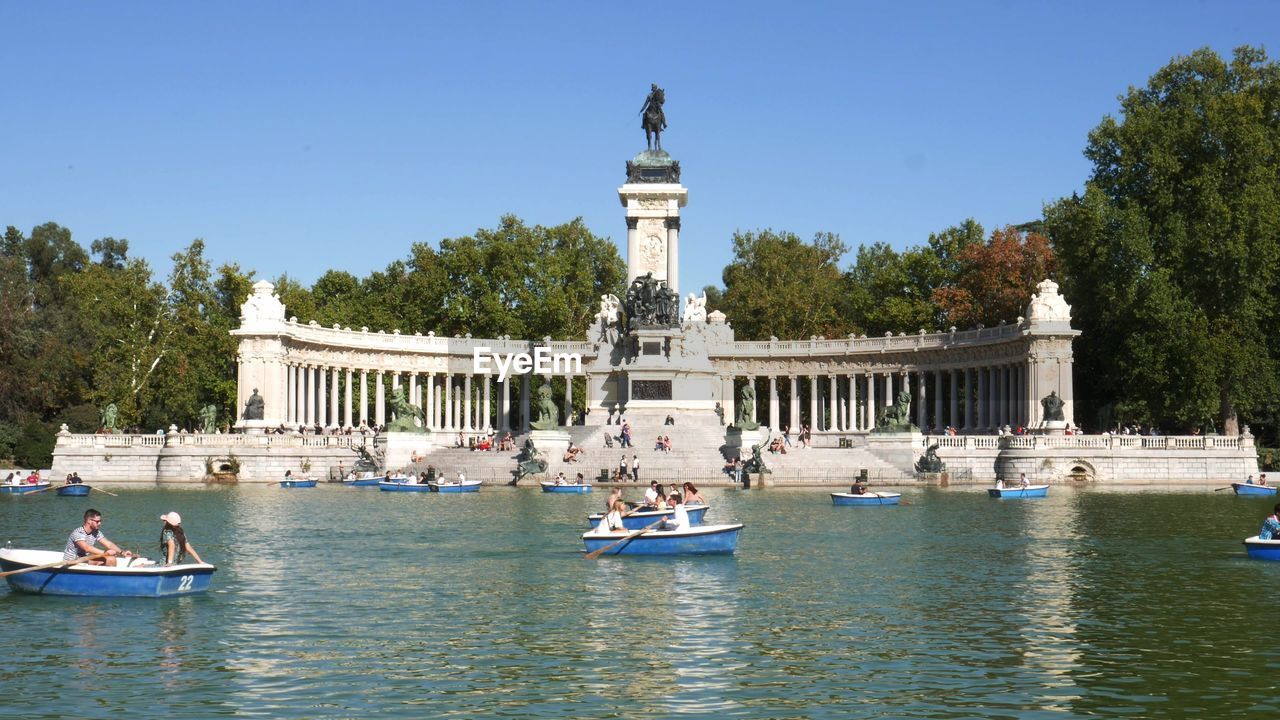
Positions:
{"x": 173, "y": 440}
{"x": 856, "y": 345}
{"x": 1090, "y": 442}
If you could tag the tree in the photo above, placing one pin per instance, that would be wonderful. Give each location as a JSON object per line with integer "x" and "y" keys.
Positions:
{"x": 1171, "y": 254}
{"x": 994, "y": 281}
{"x": 778, "y": 284}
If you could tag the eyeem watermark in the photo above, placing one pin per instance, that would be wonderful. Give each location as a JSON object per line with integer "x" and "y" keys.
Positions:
{"x": 542, "y": 361}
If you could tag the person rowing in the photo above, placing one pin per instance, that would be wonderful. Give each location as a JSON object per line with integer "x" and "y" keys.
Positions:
{"x": 1271, "y": 525}
{"x": 680, "y": 518}
{"x": 85, "y": 539}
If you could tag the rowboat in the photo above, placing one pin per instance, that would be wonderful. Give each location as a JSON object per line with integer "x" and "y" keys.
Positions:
{"x": 552, "y": 487}
{"x": 453, "y": 486}
{"x": 637, "y": 520}
{"x": 1262, "y": 549}
{"x": 298, "y": 483}
{"x": 1247, "y": 489}
{"x": 1030, "y": 491}
{"x": 365, "y": 480}
{"x": 148, "y": 580}
{"x": 693, "y": 540}
{"x": 865, "y": 499}
{"x": 403, "y": 485}
{"x": 23, "y": 488}
{"x": 76, "y": 490}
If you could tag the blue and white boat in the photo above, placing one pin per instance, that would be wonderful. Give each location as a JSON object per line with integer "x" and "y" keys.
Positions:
{"x": 365, "y": 479}
{"x": 552, "y": 487}
{"x": 1030, "y": 491}
{"x": 693, "y": 540}
{"x": 1262, "y": 549}
{"x": 454, "y": 486}
{"x": 871, "y": 499}
{"x": 305, "y": 483}
{"x": 642, "y": 518}
{"x": 403, "y": 484}
{"x": 22, "y": 488}
{"x": 1247, "y": 489}
{"x": 74, "y": 490}
{"x": 148, "y": 580}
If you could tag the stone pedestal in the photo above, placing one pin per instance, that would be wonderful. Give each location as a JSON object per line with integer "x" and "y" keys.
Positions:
{"x": 401, "y": 447}
{"x": 551, "y": 443}
{"x": 746, "y": 439}
{"x": 255, "y": 427}
{"x": 900, "y": 449}
{"x": 1054, "y": 427}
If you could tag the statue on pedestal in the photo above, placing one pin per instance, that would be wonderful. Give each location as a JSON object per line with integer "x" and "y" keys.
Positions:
{"x": 745, "y": 417}
{"x": 209, "y": 419}
{"x": 253, "y": 407}
{"x": 530, "y": 461}
{"x": 653, "y": 119}
{"x": 896, "y": 418}
{"x": 930, "y": 462}
{"x": 405, "y": 413}
{"x": 650, "y": 302}
{"x": 109, "y": 414}
{"x": 1052, "y": 405}
{"x": 544, "y": 413}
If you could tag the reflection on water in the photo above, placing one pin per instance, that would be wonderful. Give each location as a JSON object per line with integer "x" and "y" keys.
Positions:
{"x": 337, "y": 602}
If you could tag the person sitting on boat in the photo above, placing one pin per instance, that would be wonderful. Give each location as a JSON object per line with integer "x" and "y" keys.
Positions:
{"x": 33, "y": 478}
{"x": 85, "y": 539}
{"x": 1022, "y": 480}
{"x": 1248, "y": 480}
{"x": 692, "y": 496}
{"x": 422, "y": 478}
{"x": 75, "y": 479}
{"x": 858, "y": 489}
{"x": 679, "y": 519}
{"x": 288, "y": 475}
{"x": 579, "y": 480}
{"x": 461, "y": 478}
{"x": 1262, "y": 479}
{"x": 560, "y": 478}
{"x": 999, "y": 483}
{"x": 174, "y": 545}
{"x": 1271, "y": 526}
{"x": 651, "y": 495}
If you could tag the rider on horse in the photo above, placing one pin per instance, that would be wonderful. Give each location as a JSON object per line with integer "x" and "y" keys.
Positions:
{"x": 653, "y": 120}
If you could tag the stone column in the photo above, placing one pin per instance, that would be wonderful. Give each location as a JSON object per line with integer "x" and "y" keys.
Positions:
{"x": 774, "y": 417}
{"x": 364, "y": 397}
{"x": 429, "y": 401}
{"x": 347, "y": 400}
{"x": 504, "y": 409}
{"x": 851, "y": 409}
{"x": 488, "y": 412}
{"x": 466, "y": 403}
{"x": 633, "y": 246}
{"x": 524, "y": 403}
{"x": 937, "y": 403}
{"x": 673, "y": 255}
{"x": 968, "y": 400}
{"x": 814, "y": 420}
{"x": 290, "y": 393}
{"x": 869, "y": 402}
{"x": 334, "y": 419}
{"x": 793, "y": 406}
{"x": 568, "y": 399}
{"x": 322, "y": 402}
{"x": 832, "y": 417}
{"x": 953, "y": 416}
{"x": 921, "y": 415}
{"x": 448, "y": 402}
{"x": 888, "y": 389}
{"x": 380, "y": 402}
{"x": 983, "y": 409}
{"x": 413, "y": 393}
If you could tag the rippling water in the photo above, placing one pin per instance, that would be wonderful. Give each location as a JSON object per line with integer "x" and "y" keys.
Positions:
{"x": 338, "y": 602}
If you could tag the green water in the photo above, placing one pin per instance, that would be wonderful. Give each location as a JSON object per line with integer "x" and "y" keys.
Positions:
{"x": 340, "y": 602}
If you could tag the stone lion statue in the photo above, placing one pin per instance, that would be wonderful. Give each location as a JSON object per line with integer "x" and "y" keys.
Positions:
{"x": 404, "y": 412}
{"x": 544, "y": 412}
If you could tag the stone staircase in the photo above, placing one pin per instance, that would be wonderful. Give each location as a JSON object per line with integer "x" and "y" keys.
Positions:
{"x": 831, "y": 466}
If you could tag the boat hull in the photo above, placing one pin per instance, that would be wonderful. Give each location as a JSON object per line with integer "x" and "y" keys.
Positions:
{"x": 363, "y": 482}
{"x": 1262, "y": 549}
{"x": 875, "y": 499}
{"x": 695, "y": 540}
{"x": 467, "y": 486}
{"x": 1247, "y": 489}
{"x": 635, "y": 521}
{"x": 1031, "y": 491}
{"x": 403, "y": 487}
{"x": 98, "y": 581}
{"x": 572, "y": 489}
{"x": 73, "y": 490}
{"x": 297, "y": 483}
{"x": 23, "y": 489}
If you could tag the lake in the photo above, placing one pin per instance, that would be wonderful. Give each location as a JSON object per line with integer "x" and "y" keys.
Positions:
{"x": 337, "y": 602}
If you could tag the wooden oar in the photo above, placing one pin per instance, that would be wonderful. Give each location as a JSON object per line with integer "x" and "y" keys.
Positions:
{"x": 33, "y": 492}
{"x": 1223, "y": 488}
{"x": 597, "y": 553}
{"x": 52, "y": 566}
{"x": 94, "y": 487}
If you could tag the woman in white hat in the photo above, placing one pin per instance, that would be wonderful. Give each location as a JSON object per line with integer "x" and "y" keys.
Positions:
{"x": 173, "y": 541}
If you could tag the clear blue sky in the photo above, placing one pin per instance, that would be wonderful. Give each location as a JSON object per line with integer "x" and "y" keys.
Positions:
{"x": 302, "y": 136}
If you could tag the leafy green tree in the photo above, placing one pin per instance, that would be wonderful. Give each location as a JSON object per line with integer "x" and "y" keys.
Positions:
{"x": 778, "y": 284}
{"x": 1171, "y": 254}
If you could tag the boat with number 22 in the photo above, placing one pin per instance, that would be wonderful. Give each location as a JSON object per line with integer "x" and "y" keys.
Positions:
{"x": 150, "y": 580}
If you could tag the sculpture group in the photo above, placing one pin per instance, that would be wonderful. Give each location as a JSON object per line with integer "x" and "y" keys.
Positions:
{"x": 650, "y": 302}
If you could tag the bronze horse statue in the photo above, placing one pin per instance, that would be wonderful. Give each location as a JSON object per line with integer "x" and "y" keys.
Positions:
{"x": 653, "y": 120}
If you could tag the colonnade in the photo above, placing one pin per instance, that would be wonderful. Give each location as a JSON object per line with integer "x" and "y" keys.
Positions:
{"x": 976, "y": 399}
{"x": 335, "y": 397}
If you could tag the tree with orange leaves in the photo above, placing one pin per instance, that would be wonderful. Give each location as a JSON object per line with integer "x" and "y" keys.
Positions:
{"x": 996, "y": 278}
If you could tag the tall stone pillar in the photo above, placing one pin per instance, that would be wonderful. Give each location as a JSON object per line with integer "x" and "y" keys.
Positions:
{"x": 673, "y": 254}
{"x": 430, "y": 401}
{"x": 653, "y": 197}
{"x": 448, "y": 402}
{"x": 984, "y": 409}
{"x": 334, "y": 419}
{"x": 504, "y": 406}
{"x": 524, "y": 403}
{"x": 921, "y": 414}
{"x": 869, "y": 413}
{"x": 347, "y": 401}
{"x": 773, "y": 403}
{"x": 968, "y": 400}
{"x": 380, "y": 401}
{"x": 793, "y": 405}
{"x": 488, "y": 411}
{"x": 633, "y": 244}
{"x": 851, "y": 409}
{"x": 568, "y": 399}
{"x": 364, "y": 397}
{"x": 832, "y": 417}
{"x": 814, "y": 420}
{"x": 937, "y": 403}
{"x": 322, "y": 402}
{"x": 467, "y": 405}
{"x": 953, "y": 417}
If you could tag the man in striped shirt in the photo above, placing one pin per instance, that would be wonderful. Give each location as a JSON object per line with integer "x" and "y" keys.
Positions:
{"x": 84, "y": 540}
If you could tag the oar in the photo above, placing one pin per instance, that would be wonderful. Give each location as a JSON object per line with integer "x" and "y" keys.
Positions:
{"x": 1223, "y": 488}
{"x": 92, "y": 488}
{"x": 597, "y": 553}
{"x": 52, "y": 566}
{"x": 33, "y": 492}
